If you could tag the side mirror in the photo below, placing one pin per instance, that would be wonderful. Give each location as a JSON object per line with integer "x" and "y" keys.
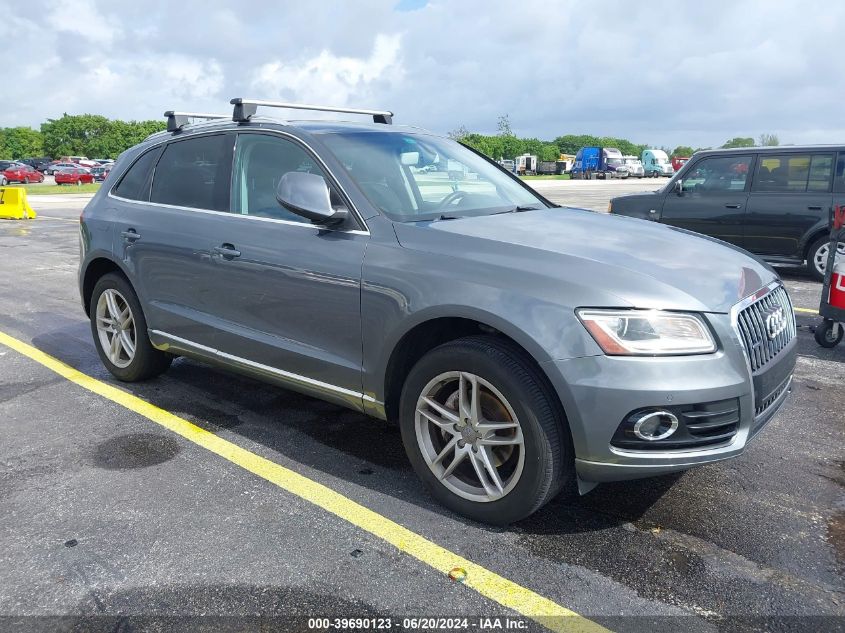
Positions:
{"x": 308, "y": 195}
{"x": 679, "y": 186}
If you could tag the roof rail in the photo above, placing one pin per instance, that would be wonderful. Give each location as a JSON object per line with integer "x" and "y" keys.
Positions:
{"x": 177, "y": 120}
{"x": 245, "y": 108}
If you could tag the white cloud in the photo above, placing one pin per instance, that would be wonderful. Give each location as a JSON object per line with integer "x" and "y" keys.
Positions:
{"x": 329, "y": 78}
{"x": 83, "y": 18}
{"x": 663, "y": 72}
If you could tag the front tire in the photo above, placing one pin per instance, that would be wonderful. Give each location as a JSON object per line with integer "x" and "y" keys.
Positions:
{"x": 484, "y": 431}
{"x": 120, "y": 331}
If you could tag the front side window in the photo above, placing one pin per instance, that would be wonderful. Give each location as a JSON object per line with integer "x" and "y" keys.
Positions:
{"x": 195, "y": 173}
{"x": 718, "y": 175}
{"x": 260, "y": 162}
{"x": 413, "y": 177}
{"x": 135, "y": 184}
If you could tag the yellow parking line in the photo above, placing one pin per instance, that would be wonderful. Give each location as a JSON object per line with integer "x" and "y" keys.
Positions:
{"x": 807, "y": 310}
{"x": 489, "y": 584}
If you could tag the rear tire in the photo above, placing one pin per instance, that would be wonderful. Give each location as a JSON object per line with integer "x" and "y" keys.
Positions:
{"x": 533, "y": 460}
{"x": 132, "y": 357}
{"x": 817, "y": 256}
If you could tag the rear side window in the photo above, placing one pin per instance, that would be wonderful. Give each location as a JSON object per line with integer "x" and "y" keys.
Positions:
{"x": 793, "y": 173}
{"x": 135, "y": 184}
{"x": 195, "y": 173}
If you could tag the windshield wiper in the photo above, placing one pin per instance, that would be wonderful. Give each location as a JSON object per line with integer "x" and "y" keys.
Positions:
{"x": 517, "y": 209}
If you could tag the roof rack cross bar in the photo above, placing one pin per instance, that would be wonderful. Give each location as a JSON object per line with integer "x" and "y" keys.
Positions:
{"x": 246, "y": 108}
{"x": 177, "y": 120}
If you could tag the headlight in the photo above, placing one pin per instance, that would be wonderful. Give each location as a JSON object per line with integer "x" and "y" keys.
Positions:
{"x": 647, "y": 332}
{"x": 610, "y": 207}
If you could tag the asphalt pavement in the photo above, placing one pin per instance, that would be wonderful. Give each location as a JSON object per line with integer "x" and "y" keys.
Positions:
{"x": 106, "y": 514}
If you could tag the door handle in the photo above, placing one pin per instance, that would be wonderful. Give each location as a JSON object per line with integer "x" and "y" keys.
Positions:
{"x": 227, "y": 251}
{"x": 733, "y": 206}
{"x": 130, "y": 235}
{"x": 814, "y": 208}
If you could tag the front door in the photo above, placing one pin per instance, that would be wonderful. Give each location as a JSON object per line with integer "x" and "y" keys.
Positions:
{"x": 712, "y": 198}
{"x": 287, "y": 292}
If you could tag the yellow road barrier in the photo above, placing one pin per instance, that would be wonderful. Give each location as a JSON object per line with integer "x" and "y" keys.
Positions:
{"x": 13, "y": 204}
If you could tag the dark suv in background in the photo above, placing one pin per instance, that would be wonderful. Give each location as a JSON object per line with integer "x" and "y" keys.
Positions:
{"x": 772, "y": 201}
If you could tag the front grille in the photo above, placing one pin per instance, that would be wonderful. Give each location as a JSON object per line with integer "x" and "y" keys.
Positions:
{"x": 760, "y": 347}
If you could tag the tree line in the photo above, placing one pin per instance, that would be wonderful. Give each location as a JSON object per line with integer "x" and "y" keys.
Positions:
{"x": 96, "y": 136}
{"x": 505, "y": 144}
{"x": 89, "y": 135}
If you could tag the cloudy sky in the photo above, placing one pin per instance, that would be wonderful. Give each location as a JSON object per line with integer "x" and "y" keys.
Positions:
{"x": 664, "y": 73}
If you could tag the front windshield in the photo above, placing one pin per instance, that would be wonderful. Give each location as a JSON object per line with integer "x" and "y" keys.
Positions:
{"x": 614, "y": 161}
{"x": 414, "y": 177}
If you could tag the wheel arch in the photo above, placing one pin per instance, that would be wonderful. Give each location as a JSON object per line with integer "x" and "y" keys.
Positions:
{"x": 818, "y": 231}
{"x": 431, "y": 330}
{"x": 94, "y": 270}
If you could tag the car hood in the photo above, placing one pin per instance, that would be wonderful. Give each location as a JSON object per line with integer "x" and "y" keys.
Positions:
{"x": 608, "y": 260}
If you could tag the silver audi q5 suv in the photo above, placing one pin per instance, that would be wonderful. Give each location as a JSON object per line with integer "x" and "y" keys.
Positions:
{"x": 523, "y": 348}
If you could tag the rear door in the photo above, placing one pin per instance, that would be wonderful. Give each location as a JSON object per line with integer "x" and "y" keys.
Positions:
{"x": 713, "y": 198}
{"x": 287, "y": 293}
{"x": 166, "y": 237}
{"x": 790, "y": 198}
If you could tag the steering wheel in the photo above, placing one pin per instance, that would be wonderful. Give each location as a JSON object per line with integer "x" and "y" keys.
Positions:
{"x": 452, "y": 198}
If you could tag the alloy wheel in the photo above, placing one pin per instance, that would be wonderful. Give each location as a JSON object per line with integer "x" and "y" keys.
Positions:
{"x": 821, "y": 255}
{"x": 469, "y": 436}
{"x": 116, "y": 328}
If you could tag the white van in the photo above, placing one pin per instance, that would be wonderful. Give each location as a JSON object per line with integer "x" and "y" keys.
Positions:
{"x": 656, "y": 163}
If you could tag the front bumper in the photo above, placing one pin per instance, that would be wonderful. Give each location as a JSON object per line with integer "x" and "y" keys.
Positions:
{"x": 599, "y": 392}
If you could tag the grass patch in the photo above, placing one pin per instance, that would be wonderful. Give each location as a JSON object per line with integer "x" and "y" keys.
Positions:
{"x": 547, "y": 177}
{"x": 49, "y": 190}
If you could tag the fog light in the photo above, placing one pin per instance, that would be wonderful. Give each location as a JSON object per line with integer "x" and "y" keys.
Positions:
{"x": 656, "y": 425}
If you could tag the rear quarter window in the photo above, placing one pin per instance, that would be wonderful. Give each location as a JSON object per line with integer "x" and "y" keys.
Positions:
{"x": 135, "y": 184}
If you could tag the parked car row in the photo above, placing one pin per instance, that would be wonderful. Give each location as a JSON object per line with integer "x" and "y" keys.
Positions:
{"x": 65, "y": 173}
{"x": 774, "y": 202}
{"x": 13, "y": 171}
{"x": 49, "y": 166}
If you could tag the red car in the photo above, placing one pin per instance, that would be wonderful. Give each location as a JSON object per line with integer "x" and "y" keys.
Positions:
{"x": 11, "y": 171}
{"x": 73, "y": 176}
{"x": 678, "y": 162}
